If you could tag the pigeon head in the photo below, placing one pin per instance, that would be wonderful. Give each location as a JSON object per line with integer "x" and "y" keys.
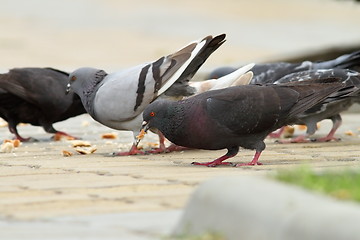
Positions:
{"x": 164, "y": 115}
{"x": 154, "y": 113}
{"x": 84, "y": 80}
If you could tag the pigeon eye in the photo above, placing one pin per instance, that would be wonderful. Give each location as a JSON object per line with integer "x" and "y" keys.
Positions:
{"x": 152, "y": 114}
{"x": 73, "y": 78}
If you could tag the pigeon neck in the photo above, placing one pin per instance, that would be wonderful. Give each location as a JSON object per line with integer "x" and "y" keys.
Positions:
{"x": 90, "y": 89}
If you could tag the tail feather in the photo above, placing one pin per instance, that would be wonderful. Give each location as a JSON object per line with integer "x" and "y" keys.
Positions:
{"x": 345, "y": 61}
{"x": 190, "y": 58}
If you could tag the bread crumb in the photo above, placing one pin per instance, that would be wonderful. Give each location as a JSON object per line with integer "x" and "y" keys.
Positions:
{"x": 80, "y": 143}
{"x": 109, "y": 136}
{"x": 66, "y": 153}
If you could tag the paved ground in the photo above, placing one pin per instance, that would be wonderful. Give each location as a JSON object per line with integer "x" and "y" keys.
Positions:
{"x": 44, "y": 195}
{"x": 42, "y": 189}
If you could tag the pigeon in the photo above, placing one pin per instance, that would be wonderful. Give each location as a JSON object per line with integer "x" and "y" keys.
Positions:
{"x": 240, "y": 116}
{"x": 242, "y": 76}
{"x": 283, "y": 72}
{"x": 329, "y": 108}
{"x": 37, "y": 96}
{"x": 271, "y": 72}
{"x": 118, "y": 99}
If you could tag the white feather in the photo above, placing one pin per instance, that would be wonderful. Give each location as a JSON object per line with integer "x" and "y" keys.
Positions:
{"x": 178, "y": 73}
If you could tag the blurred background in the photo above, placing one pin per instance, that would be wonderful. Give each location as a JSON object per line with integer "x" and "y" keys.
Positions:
{"x": 114, "y": 34}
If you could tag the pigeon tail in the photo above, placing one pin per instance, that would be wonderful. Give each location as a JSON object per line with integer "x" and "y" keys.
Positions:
{"x": 242, "y": 76}
{"x": 229, "y": 79}
{"x": 195, "y": 55}
{"x": 308, "y": 99}
{"x": 344, "y": 61}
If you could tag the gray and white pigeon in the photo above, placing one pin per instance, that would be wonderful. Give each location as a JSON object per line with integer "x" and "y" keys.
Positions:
{"x": 37, "y": 96}
{"x": 235, "y": 117}
{"x": 117, "y": 100}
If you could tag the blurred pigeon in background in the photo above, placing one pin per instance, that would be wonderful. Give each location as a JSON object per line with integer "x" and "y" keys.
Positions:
{"x": 117, "y": 100}
{"x": 281, "y": 72}
{"x": 330, "y": 107}
{"x": 236, "y": 116}
{"x": 37, "y": 96}
{"x": 271, "y": 72}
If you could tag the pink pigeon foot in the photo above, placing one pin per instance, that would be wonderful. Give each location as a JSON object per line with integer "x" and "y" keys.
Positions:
{"x": 277, "y": 134}
{"x": 253, "y": 162}
{"x": 133, "y": 151}
{"x": 58, "y": 135}
{"x": 216, "y": 162}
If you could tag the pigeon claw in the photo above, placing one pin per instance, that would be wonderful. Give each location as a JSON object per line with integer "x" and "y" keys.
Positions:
{"x": 133, "y": 151}
{"x": 248, "y": 164}
{"x": 212, "y": 164}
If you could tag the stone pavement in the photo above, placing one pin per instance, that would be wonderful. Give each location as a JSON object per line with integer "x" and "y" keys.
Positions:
{"x": 44, "y": 195}
{"x": 40, "y": 188}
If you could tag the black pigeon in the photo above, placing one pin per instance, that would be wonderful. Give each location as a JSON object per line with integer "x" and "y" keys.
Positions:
{"x": 36, "y": 96}
{"x": 236, "y": 116}
{"x": 271, "y": 72}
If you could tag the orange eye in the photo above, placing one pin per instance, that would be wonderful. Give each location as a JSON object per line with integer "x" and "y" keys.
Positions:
{"x": 73, "y": 78}
{"x": 152, "y": 114}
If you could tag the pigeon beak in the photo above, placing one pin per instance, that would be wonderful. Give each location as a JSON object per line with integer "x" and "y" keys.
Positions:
{"x": 68, "y": 87}
{"x": 144, "y": 128}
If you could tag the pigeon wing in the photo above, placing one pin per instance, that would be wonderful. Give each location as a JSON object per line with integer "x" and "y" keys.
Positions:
{"x": 248, "y": 109}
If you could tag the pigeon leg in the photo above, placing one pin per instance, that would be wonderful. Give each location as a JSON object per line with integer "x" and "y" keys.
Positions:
{"x": 133, "y": 151}
{"x": 58, "y": 134}
{"x": 277, "y": 134}
{"x": 253, "y": 162}
{"x": 13, "y": 130}
{"x": 161, "y": 148}
{"x": 219, "y": 161}
{"x": 176, "y": 148}
{"x": 336, "y": 124}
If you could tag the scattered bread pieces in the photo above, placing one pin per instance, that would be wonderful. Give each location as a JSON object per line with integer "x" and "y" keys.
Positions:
{"x": 3, "y": 123}
{"x": 82, "y": 147}
{"x": 80, "y": 143}
{"x": 301, "y": 127}
{"x": 66, "y": 153}
{"x": 141, "y": 135}
{"x": 288, "y": 131}
{"x": 7, "y": 147}
{"x": 58, "y": 137}
{"x": 15, "y": 142}
{"x": 85, "y": 123}
{"x": 349, "y": 133}
{"x": 86, "y": 150}
{"x": 109, "y": 136}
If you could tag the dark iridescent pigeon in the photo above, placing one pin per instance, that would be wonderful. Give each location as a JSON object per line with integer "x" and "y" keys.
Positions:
{"x": 117, "y": 100}
{"x": 36, "y": 96}
{"x": 235, "y": 117}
